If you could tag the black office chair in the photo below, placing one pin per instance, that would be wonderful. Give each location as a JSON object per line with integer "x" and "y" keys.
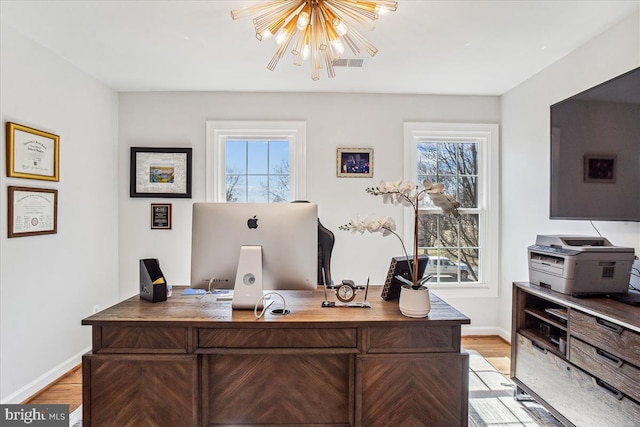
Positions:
{"x": 326, "y": 240}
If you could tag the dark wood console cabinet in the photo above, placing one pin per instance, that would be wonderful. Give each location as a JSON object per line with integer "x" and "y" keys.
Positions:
{"x": 192, "y": 361}
{"x": 579, "y": 357}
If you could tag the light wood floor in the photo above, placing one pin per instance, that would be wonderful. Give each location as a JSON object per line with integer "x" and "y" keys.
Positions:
{"x": 68, "y": 389}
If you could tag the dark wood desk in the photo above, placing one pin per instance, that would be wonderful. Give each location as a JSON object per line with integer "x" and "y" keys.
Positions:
{"x": 192, "y": 361}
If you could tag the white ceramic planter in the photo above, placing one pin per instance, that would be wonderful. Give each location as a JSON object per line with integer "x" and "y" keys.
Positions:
{"x": 414, "y": 302}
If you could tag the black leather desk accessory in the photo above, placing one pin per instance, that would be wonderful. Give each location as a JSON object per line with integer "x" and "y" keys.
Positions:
{"x": 153, "y": 285}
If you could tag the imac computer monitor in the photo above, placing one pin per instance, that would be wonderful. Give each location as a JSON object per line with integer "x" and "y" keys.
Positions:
{"x": 287, "y": 234}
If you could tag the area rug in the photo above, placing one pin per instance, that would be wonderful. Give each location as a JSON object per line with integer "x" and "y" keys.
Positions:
{"x": 492, "y": 402}
{"x": 75, "y": 418}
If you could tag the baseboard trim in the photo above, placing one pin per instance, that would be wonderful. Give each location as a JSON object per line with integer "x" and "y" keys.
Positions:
{"x": 480, "y": 330}
{"x": 45, "y": 379}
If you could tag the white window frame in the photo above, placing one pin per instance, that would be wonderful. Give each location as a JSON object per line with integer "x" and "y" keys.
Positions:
{"x": 487, "y": 136}
{"x": 218, "y": 132}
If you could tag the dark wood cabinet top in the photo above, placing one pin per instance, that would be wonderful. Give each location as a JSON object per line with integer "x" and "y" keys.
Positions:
{"x": 305, "y": 306}
{"x": 625, "y": 314}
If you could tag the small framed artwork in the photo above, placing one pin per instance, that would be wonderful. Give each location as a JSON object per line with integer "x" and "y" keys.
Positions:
{"x": 160, "y": 172}
{"x": 600, "y": 168}
{"x": 32, "y": 211}
{"x": 161, "y": 216}
{"x": 355, "y": 163}
{"x": 32, "y": 153}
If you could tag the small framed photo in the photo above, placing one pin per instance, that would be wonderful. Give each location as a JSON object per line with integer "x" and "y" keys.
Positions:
{"x": 161, "y": 216}
{"x": 32, "y": 211}
{"x": 160, "y": 172}
{"x": 355, "y": 163}
{"x": 600, "y": 168}
{"x": 32, "y": 153}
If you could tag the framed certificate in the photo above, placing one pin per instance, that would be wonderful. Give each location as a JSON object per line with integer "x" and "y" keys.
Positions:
{"x": 160, "y": 172}
{"x": 32, "y": 153}
{"x": 32, "y": 211}
{"x": 161, "y": 216}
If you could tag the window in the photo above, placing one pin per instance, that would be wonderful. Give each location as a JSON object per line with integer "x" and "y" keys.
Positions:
{"x": 464, "y": 157}
{"x": 255, "y": 162}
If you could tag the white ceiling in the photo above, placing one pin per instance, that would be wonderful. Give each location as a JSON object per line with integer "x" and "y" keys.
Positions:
{"x": 436, "y": 47}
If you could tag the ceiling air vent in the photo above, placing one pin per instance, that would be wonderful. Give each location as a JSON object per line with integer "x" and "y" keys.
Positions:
{"x": 349, "y": 62}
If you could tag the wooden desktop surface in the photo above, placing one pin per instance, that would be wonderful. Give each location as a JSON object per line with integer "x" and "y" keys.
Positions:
{"x": 192, "y": 361}
{"x": 305, "y": 307}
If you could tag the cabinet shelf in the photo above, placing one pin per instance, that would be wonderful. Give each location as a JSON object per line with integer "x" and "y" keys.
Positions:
{"x": 545, "y": 317}
{"x": 541, "y": 342}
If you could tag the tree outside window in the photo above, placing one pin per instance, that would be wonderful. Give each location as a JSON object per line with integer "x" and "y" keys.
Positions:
{"x": 454, "y": 244}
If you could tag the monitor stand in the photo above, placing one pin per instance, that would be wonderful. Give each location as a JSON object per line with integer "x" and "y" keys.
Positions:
{"x": 248, "y": 290}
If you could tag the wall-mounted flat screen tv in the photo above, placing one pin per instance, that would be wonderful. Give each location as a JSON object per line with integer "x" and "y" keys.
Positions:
{"x": 595, "y": 152}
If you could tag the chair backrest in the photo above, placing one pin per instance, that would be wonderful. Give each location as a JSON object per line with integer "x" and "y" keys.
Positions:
{"x": 326, "y": 240}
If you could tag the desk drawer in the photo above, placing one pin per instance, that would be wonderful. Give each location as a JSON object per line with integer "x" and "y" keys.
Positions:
{"x": 413, "y": 339}
{"x": 571, "y": 391}
{"x": 142, "y": 339}
{"x": 608, "y": 336}
{"x": 277, "y": 338}
{"x": 610, "y": 369}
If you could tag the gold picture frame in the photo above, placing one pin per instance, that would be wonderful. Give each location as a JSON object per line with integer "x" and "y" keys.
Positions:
{"x": 32, "y": 211}
{"x": 354, "y": 163}
{"x": 32, "y": 153}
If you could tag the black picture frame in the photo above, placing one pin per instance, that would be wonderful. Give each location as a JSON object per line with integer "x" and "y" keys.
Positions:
{"x": 400, "y": 267}
{"x": 600, "y": 168}
{"x": 161, "y": 216}
{"x": 160, "y": 172}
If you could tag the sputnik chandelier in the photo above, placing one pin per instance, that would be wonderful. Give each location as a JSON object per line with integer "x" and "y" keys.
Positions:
{"x": 316, "y": 28}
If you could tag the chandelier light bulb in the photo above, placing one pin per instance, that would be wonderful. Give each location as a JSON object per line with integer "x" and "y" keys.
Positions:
{"x": 339, "y": 26}
{"x": 337, "y": 44}
{"x": 281, "y": 37}
{"x": 304, "y": 17}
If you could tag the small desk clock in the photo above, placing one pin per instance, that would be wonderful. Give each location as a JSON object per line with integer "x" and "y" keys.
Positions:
{"x": 345, "y": 293}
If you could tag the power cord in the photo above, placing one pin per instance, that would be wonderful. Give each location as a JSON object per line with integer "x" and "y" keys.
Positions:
{"x": 261, "y": 302}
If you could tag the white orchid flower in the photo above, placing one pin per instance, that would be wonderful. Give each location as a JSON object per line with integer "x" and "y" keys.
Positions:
{"x": 373, "y": 225}
{"x": 389, "y": 226}
{"x": 388, "y": 198}
{"x": 356, "y": 226}
{"x": 406, "y": 187}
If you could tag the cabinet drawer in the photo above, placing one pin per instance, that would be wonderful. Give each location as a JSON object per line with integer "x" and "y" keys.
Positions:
{"x": 413, "y": 339}
{"x": 608, "y": 336}
{"x": 277, "y": 338}
{"x": 573, "y": 392}
{"x": 609, "y": 368}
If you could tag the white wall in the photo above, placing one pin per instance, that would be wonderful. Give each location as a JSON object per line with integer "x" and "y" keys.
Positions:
{"x": 525, "y": 151}
{"x": 333, "y": 120}
{"x": 49, "y": 283}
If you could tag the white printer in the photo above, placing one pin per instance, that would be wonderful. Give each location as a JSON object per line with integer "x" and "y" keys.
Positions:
{"x": 580, "y": 265}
